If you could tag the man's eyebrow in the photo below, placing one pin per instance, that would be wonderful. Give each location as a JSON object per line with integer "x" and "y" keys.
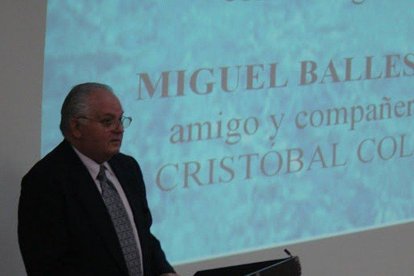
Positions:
{"x": 112, "y": 115}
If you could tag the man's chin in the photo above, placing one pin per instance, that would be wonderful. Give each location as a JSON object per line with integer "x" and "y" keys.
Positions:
{"x": 115, "y": 148}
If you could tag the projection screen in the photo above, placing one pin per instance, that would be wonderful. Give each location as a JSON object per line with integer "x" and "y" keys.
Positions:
{"x": 256, "y": 123}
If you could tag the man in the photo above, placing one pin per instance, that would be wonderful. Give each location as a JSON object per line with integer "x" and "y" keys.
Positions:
{"x": 83, "y": 207}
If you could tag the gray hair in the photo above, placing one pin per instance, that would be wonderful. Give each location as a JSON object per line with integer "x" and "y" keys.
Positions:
{"x": 76, "y": 102}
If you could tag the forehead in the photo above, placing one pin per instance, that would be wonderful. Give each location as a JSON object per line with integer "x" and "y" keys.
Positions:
{"x": 103, "y": 102}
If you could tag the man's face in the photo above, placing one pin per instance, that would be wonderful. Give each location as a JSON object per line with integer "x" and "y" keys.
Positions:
{"x": 92, "y": 135}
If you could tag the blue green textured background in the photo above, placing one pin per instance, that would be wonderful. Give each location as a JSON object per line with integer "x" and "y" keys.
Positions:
{"x": 113, "y": 41}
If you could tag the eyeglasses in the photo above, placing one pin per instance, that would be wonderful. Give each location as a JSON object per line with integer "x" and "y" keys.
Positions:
{"x": 110, "y": 123}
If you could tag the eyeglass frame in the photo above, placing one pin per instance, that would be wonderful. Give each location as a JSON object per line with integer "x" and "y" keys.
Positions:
{"x": 111, "y": 124}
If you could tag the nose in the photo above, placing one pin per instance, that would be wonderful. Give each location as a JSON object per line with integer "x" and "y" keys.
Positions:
{"x": 118, "y": 127}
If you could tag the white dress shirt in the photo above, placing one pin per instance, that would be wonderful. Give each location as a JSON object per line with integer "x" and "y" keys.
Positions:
{"x": 93, "y": 169}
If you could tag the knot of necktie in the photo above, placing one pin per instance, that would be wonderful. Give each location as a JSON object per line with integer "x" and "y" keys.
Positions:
{"x": 102, "y": 175}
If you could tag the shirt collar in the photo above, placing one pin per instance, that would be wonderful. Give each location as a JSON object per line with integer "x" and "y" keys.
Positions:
{"x": 91, "y": 165}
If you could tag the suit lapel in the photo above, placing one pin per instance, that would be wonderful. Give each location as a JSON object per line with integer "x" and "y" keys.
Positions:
{"x": 90, "y": 198}
{"x": 127, "y": 184}
{"x": 123, "y": 178}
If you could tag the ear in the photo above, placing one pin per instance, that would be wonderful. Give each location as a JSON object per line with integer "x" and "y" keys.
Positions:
{"x": 75, "y": 128}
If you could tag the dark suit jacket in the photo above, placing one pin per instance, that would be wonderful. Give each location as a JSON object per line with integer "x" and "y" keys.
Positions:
{"x": 63, "y": 224}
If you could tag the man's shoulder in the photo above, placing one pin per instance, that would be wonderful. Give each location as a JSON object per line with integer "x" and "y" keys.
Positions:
{"x": 125, "y": 163}
{"x": 54, "y": 161}
{"x": 124, "y": 158}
